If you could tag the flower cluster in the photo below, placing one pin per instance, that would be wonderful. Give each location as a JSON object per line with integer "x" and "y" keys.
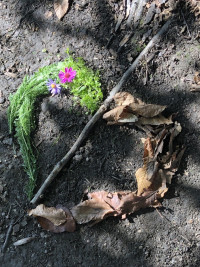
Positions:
{"x": 64, "y": 77}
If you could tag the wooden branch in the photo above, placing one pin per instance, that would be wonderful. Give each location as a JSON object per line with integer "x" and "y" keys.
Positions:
{"x": 132, "y": 12}
{"x": 98, "y": 115}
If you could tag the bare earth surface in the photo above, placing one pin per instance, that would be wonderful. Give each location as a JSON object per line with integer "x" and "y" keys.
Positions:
{"x": 111, "y": 155}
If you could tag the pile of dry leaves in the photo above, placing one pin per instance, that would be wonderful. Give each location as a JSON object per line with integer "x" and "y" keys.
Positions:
{"x": 161, "y": 160}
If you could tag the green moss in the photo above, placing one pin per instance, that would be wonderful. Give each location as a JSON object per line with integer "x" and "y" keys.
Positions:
{"x": 86, "y": 87}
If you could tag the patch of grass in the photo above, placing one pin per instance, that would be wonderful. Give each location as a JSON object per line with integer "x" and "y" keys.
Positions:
{"x": 86, "y": 87}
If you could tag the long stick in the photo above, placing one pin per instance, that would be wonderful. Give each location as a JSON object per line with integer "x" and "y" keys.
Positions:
{"x": 98, "y": 114}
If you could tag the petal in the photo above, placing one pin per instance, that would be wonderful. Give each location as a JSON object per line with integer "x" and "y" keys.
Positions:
{"x": 64, "y": 80}
{"x": 60, "y": 74}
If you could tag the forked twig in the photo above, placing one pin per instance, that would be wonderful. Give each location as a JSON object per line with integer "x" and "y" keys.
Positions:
{"x": 98, "y": 114}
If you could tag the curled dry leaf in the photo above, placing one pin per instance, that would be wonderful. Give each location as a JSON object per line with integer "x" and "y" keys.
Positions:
{"x": 159, "y": 167}
{"x": 131, "y": 109}
{"x": 157, "y": 120}
{"x": 120, "y": 114}
{"x": 137, "y": 106}
{"x": 102, "y": 204}
{"x": 93, "y": 209}
{"x": 61, "y": 7}
{"x": 56, "y": 220}
{"x": 142, "y": 180}
{"x": 197, "y": 77}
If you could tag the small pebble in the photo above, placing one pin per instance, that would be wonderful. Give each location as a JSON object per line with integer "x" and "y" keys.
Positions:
{"x": 78, "y": 157}
{"x": 45, "y": 106}
{"x": 16, "y": 228}
{"x": 42, "y": 235}
{"x": 7, "y": 141}
{"x": 2, "y": 100}
{"x": 24, "y": 223}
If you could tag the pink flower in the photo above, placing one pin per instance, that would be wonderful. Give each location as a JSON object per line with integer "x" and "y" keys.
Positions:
{"x": 67, "y": 76}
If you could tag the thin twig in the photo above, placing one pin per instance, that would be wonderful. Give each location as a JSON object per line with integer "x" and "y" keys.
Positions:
{"x": 7, "y": 236}
{"x": 186, "y": 23}
{"x": 98, "y": 114}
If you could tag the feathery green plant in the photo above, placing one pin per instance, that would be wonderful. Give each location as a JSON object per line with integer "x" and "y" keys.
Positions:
{"x": 86, "y": 86}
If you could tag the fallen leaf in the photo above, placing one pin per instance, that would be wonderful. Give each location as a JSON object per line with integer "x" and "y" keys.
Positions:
{"x": 61, "y": 7}
{"x": 93, "y": 209}
{"x": 142, "y": 180}
{"x": 137, "y": 106}
{"x": 157, "y": 120}
{"x": 120, "y": 114}
{"x": 125, "y": 99}
{"x": 131, "y": 109}
{"x": 102, "y": 204}
{"x": 197, "y": 78}
{"x": 56, "y": 220}
{"x": 56, "y": 216}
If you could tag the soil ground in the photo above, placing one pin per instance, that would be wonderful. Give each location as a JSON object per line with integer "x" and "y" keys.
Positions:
{"x": 111, "y": 154}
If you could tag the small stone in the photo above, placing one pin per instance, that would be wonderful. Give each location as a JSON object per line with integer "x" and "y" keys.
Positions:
{"x": 16, "y": 228}
{"x": 42, "y": 235}
{"x": 10, "y": 166}
{"x": 2, "y": 100}
{"x": 23, "y": 223}
{"x": 1, "y": 189}
{"x": 45, "y": 106}
{"x": 7, "y": 141}
{"x": 78, "y": 157}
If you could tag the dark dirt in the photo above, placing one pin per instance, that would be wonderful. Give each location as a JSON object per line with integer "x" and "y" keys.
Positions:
{"x": 111, "y": 154}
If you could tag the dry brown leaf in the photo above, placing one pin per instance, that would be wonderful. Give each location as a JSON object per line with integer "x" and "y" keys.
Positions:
{"x": 129, "y": 108}
{"x": 142, "y": 181}
{"x": 147, "y": 110}
{"x": 157, "y": 120}
{"x": 197, "y": 77}
{"x": 56, "y": 216}
{"x": 102, "y": 204}
{"x": 137, "y": 106}
{"x": 93, "y": 209}
{"x": 56, "y": 220}
{"x": 148, "y": 148}
{"x": 61, "y": 7}
{"x": 120, "y": 114}
{"x": 125, "y": 99}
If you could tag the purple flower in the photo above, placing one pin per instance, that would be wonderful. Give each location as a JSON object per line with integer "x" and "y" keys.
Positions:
{"x": 54, "y": 88}
{"x": 67, "y": 76}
